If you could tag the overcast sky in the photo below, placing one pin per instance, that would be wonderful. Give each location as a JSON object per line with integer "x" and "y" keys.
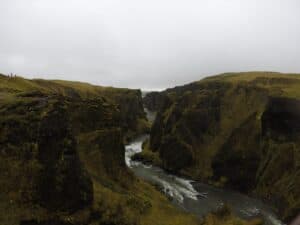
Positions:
{"x": 150, "y": 44}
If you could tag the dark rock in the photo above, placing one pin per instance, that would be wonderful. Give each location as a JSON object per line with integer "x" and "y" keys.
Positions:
{"x": 282, "y": 118}
{"x": 238, "y": 130}
{"x": 175, "y": 154}
{"x": 63, "y": 184}
{"x": 238, "y": 160}
{"x": 154, "y": 101}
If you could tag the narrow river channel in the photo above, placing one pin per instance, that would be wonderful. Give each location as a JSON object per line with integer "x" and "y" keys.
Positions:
{"x": 196, "y": 197}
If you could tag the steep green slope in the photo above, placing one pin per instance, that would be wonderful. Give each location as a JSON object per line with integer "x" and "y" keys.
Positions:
{"x": 239, "y": 130}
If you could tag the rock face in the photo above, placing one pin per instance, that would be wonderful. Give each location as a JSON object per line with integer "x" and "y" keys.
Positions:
{"x": 238, "y": 130}
{"x": 47, "y": 172}
{"x": 62, "y": 183}
{"x": 132, "y": 116}
{"x": 153, "y": 100}
{"x": 266, "y": 159}
{"x": 282, "y": 118}
{"x": 62, "y": 157}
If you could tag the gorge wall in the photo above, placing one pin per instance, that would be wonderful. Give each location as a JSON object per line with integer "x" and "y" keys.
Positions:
{"x": 62, "y": 158}
{"x": 62, "y": 155}
{"x": 235, "y": 130}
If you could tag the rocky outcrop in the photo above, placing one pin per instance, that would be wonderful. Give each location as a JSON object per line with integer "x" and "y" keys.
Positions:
{"x": 132, "y": 116}
{"x": 41, "y": 174}
{"x": 281, "y": 119}
{"x": 153, "y": 100}
{"x": 62, "y": 184}
{"x": 102, "y": 152}
{"x": 48, "y": 175}
{"x": 263, "y": 154}
{"x": 280, "y": 164}
{"x": 237, "y": 130}
{"x": 239, "y": 158}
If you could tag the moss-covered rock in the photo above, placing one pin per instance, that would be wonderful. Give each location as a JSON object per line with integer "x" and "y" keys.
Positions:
{"x": 85, "y": 100}
{"x": 62, "y": 157}
{"x": 147, "y": 156}
{"x": 175, "y": 154}
{"x": 62, "y": 182}
{"x": 153, "y": 100}
{"x": 240, "y": 130}
{"x": 40, "y": 124}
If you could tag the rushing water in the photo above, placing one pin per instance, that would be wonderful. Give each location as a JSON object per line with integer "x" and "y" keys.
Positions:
{"x": 195, "y": 197}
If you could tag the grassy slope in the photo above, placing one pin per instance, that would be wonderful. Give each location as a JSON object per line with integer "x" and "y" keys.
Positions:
{"x": 127, "y": 100}
{"x": 84, "y": 90}
{"x": 291, "y": 88}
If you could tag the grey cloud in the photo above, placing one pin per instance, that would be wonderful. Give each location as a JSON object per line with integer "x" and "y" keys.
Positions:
{"x": 147, "y": 44}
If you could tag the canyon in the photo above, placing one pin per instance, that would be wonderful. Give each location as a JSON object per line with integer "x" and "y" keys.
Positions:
{"x": 62, "y": 148}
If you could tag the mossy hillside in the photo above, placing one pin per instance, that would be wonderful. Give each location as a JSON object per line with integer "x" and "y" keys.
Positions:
{"x": 127, "y": 101}
{"x": 41, "y": 172}
{"x": 62, "y": 162}
{"x": 39, "y": 150}
{"x": 277, "y": 83}
{"x": 235, "y": 128}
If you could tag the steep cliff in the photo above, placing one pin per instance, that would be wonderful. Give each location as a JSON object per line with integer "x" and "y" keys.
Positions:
{"x": 40, "y": 167}
{"x": 238, "y": 130}
{"x": 62, "y": 157}
{"x": 153, "y": 100}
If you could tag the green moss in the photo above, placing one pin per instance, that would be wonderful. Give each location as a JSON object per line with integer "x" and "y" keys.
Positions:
{"x": 45, "y": 168}
{"x": 224, "y": 122}
{"x": 131, "y": 116}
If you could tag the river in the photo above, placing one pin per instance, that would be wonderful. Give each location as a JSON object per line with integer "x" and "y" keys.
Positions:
{"x": 196, "y": 197}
